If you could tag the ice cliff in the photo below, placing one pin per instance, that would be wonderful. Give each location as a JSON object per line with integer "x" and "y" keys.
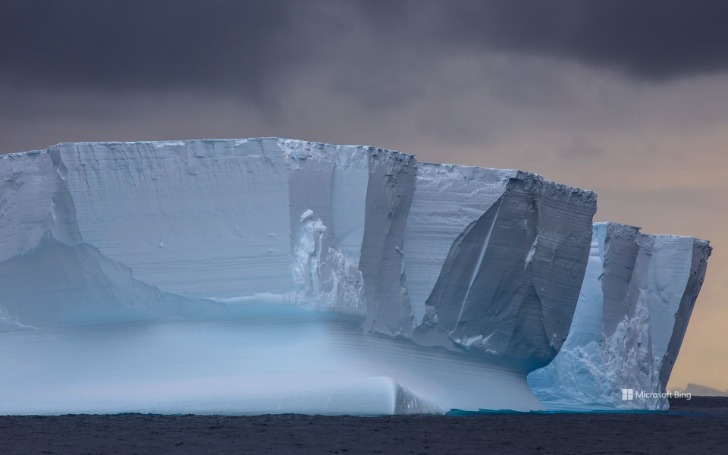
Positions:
{"x": 458, "y": 280}
{"x": 328, "y": 227}
{"x": 633, "y": 311}
{"x": 497, "y": 259}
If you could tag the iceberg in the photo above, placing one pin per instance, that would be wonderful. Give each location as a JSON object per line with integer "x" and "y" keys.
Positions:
{"x": 633, "y": 310}
{"x": 274, "y": 275}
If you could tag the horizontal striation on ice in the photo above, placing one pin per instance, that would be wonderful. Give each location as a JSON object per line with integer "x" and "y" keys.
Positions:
{"x": 197, "y": 218}
{"x": 509, "y": 284}
{"x": 447, "y": 199}
{"x": 633, "y": 310}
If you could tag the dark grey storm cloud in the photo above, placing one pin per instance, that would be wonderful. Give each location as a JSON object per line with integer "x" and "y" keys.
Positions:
{"x": 651, "y": 39}
{"x": 138, "y": 44}
{"x": 245, "y": 45}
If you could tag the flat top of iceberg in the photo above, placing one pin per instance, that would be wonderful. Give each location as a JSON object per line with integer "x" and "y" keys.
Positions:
{"x": 285, "y": 144}
{"x": 630, "y": 231}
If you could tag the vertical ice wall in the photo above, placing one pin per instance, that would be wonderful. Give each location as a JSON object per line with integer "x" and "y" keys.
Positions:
{"x": 392, "y": 180}
{"x": 448, "y": 198}
{"x": 348, "y": 206}
{"x": 509, "y": 283}
{"x": 326, "y": 228}
{"x": 198, "y": 218}
{"x": 318, "y": 224}
{"x": 633, "y": 310}
{"x": 690, "y": 256}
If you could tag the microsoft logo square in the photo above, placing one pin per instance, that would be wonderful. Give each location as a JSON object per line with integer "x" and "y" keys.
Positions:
{"x": 628, "y": 394}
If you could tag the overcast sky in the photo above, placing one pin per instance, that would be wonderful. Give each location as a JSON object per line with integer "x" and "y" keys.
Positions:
{"x": 626, "y": 97}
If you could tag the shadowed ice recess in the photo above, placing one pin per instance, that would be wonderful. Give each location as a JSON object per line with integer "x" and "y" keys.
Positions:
{"x": 272, "y": 276}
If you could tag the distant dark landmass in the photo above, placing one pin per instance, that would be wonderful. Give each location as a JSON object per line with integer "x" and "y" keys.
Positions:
{"x": 699, "y": 425}
{"x": 704, "y": 391}
{"x": 715, "y": 406}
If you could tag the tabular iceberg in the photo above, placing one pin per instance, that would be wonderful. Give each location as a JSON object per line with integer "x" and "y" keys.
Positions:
{"x": 360, "y": 280}
{"x": 633, "y": 311}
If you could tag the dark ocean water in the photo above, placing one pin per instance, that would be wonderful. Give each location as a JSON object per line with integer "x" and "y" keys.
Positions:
{"x": 697, "y": 426}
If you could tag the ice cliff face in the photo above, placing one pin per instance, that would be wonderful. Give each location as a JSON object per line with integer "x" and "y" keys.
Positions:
{"x": 223, "y": 220}
{"x": 322, "y": 225}
{"x": 497, "y": 260}
{"x": 479, "y": 268}
{"x": 633, "y": 310}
